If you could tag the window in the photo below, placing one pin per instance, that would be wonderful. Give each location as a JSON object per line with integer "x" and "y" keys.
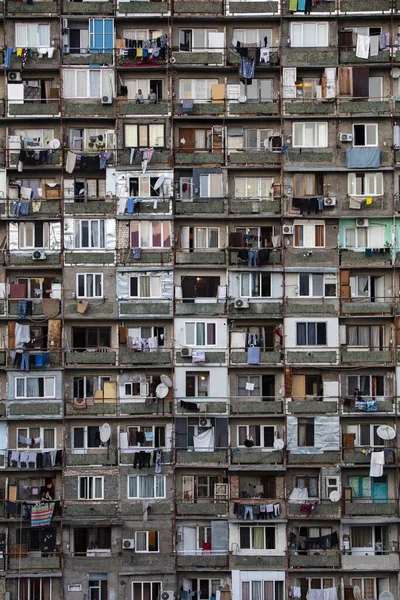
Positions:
{"x": 197, "y": 385}
{"x": 332, "y": 485}
{"x": 309, "y": 35}
{"x": 35, "y": 588}
{"x": 146, "y": 590}
{"x": 263, "y": 436}
{"x": 254, "y": 187}
{"x": 89, "y": 285}
{"x": 305, "y": 432}
{"x": 34, "y": 235}
{"x": 32, "y": 35}
{"x": 150, "y": 234}
{"x": 257, "y": 139}
{"x": 310, "y": 135}
{"x": 262, "y": 590}
{"x": 143, "y": 187}
{"x": 375, "y": 88}
{"x": 45, "y": 437}
{"x": 196, "y": 89}
{"x": 367, "y": 336}
{"x": 206, "y": 237}
{"x": 366, "y": 435}
{"x": 210, "y": 185}
{"x": 320, "y": 583}
{"x": 203, "y": 537}
{"x": 261, "y": 90}
{"x": 360, "y": 286}
{"x": 37, "y": 137}
{"x": 146, "y": 486}
{"x": 257, "y": 538}
{"x": 310, "y": 483}
{"x": 255, "y": 285}
{"x": 87, "y": 83}
{"x": 365, "y": 184}
{"x": 87, "y": 386}
{"x": 35, "y": 387}
{"x": 144, "y": 136}
{"x": 365, "y": 135}
{"x": 253, "y": 36}
{"x": 257, "y": 486}
{"x": 364, "y": 237}
{"x": 148, "y": 436}
{"x": 256, "y": 237}
{"x": 365, "y": 537}
{"x": 101, "y": 35}
{"x": 200, "y": 334}
{"x": 308, "y": 184}
{"x": 86, "y": 437}
{"x": 369, "y": 385}
{"x": 146, "y": 541}
{"x": 89, "y": 233}
{"x": 91, "y": 337}
{"x": 367, "y": 586}
{"x": 310, "y": 235}
{"x": 133, "y": 85}
{"x": 145, "y": 286}
{"x": 205, "y": 486}
{"x": 249, "y": 385}
{"x": 90, "y": 488}
{"x": 195, "y": 40}
{"x": 98, "y": 586}
{"x": 317, "y": 285}
{"x": 311, "y": 334}
{"x": 205, "y": 588}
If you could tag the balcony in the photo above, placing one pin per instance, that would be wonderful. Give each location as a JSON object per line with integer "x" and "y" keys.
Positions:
{"x": 322, "y": 306}
{"x": 297, "y": 357}
{"x": 93, "y": 457}
{"x": 358, "y": 457}
{"x": 91, "y": 358}
{"x": 206, "y": 507}
{"x": 367, "y": 508}
{"x": 250, "y": 562}
{"x": 35, "y": 409}
{"x": 363, "y": 307}
{"x": 35, "y": 62}
{"x": 274, "y": 257}
{"x": 40, "y": 308}
{"x": 321, "y": 258}
{"x": 245, "y": 8}
{"x": 253, "y": 108}
{"x": 140, "y": 8}
{"x": 350, "y": 356}
{"x": 200, "y": 257}
{"x": 313, "y": 57}
{"x": 201, "y": 7}
{"x": 369, "y": 404}
{"x": 163, "y": 356}
{"x": 92, "y": 206}
{"x": 309, "y": 157}
{"x": 205, "y": 207}
{"x": 323, "y": 509}
{"x": 89, "y": 510}
{"x": 310, "y": 107}
{"x": 259, "y": 309}
{"x": 33, "y": 108}
{"x": 199, "y": 59}
{"x": 89, "y": 258}
{"x": 252, "y": 406}
{"x": 24, "y": 259}
{"x": 205, "y": 560}
{"x": 265, "y": 158}
{"x": 34, "y": 561}
{"x": 42, "y": 461}
{"x": 156, "y": 205}
{"x": 145, "y": 308}
{"x": 91, "y": 406}
{"x": 40, "y": 158}
{"x": 201, "y": 108}
{"x": 197, "y": 307}
{"x": 312, "y": 407}
{"x": 127, "y": 458}
{"x": 104, "y": 59}
{"x": 368, "y": 258}
{"x": 199, "y": 158}
{"x": 43, "y": 208}
{"x": 191, "y": 406}
{"x": 160, "y": 158}
{"x": 87, "y": 8}
{"x": 84, "y": 108}
{"x": 355, "y": 6}
{"x": 148, "y": 257}
{"x": 348, "y": 56}
{"x": 256, "y": 456}
{"x": 361, "y": 107}
{"x": 327, "y": 457}
{"x": 372, "y": 562}
{"x": 38, "y": 359}
{"x": 217, "y": 457}
{"x": 248, "y": 207}
{"x": 315, "y": 559}
{"x": 216, "y": 357}
{"x": 239, "y": 358}
{"x": 128, "y": 108}
{"x": 18, "y": 8}
{"x": 90, "y": 160}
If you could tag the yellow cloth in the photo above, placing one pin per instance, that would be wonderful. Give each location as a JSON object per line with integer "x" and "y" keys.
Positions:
{"x": 19, "y": 51}
{"x": 139, "y": 52}
{"x": 36, "y": 206}
{"x": 369, "y": 200}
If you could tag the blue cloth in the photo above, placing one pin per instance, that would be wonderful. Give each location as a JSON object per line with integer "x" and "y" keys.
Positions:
{"x": 25, "y": 207}
{"x": 130, "y": 206}
{"x": 42, "y": 359}
{"x": 320, "y": 201}
{"x": 301, "y": 4}
{"x": 246, "y": 67}
{"x": 253, "y": 355}
{"x": 187, "y": 106}
{"x": 25, "y": 362}
{"x": 252, "y": 259}
{"x": 7, "y": 62}
{"x": 16, "y": 211}
{"x": 102, "y": 160}
{"x": 22, "y": 304}
{"x": 363, "y": 158}
{"x": 137, "y": 253}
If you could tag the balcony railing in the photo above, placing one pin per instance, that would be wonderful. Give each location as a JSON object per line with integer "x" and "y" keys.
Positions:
{"x": 34, "y": 308}
{"x": 33, "y": 108}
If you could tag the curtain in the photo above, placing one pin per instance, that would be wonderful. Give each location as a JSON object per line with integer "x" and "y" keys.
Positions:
{"x": 48, "y": 438}
{"x": 213, "y": 238}
{"x": 361, "y": 537}
{"x": 94, "y": 84}
{"x": 256, "y": 590}
{"x": 245, "y": 285}
{"x": 311, "y": 334}
{"x": 146, "y": 486}
{"x": 94, "y": 237}
{"x": 240, "y": 187}
{"x": 98, "y": 487}
{"x": 319, "y": 236}
{"x": 144, "y": 234}
{"x": 43, "y": 35}
{"x": 156, "y": 135}
{"x": 155, "y": 286}
{"x": 211, "y": 334}
{"x": 258, "y": 542}
{"x": 141, "y": 538}
{"x": 156, "y": 234}
{"x": 201, "y": 237}
{"x": 160, "y": 488}
{"x": 352, "y": 335}
{"x": 131, "y": 136}
{"x": 215, "y": 185}
{"x": 132, "y": 487}
{"x": 301, "y": 334}
{"x": 245, "y": 590}
{"x": 200, "y": 334}
{"x": 145, "y": 286}
{"x": 375, "y": 337}
{"x": 46, "y": 588}
{"x": 32, "y": 387}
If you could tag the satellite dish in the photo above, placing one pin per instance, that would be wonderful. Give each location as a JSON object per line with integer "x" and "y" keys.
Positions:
{"x": 357, "y": 593}
{"x": 385, "y": 432}
{"x": 242, "y": 98}
{"x": 386, "y": 596}
{"x": 166, "y": 380}
{"x": 105, "y": 432}
{"x": 159, "y": 182}
{"x": 161, "y": 390}
{"x": 334, "y": 496}
{"x": 54, "y": 144}
{"x": 279, "y": 444}
{"x": 395, "y": 73}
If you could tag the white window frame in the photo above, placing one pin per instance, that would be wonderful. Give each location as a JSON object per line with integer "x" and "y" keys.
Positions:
{"x": 262, "y": 441}
{"x": 275, "y": 592}
{"x": 205, "y": 47}
{"x": 362, "y": 580}
{"x": 90, "y": 487}
{"x": 354, "y": 289}
{"x": 207, "y": 85}
{"x": 22, "y": 235}
{"x": 24, "y": 379}
{"x": 306, "y": 39}
{"x": 166, "y": 231}
{"x": 150, "y": 584}
{"x": 31, "y": 590}
{"x": 320, "y": 131}
{"x": 85, "y": 285}
{"x": 251, "y": 536}
{"x": 372, "y": 184}
{"x": 142, "y": 427}
{"x": 326, "y": 280}
{"x": 19, "y": 27}
{"x": 251, "y": 277}
{"x": 140, "y": 277}
{"x": 101, "y": 233}
{"x": 366, "y": 127}
{"x": 197, "y": 376}
{"x": 333, "y": 485}
{"x": 151, "y": 141}
{"x": 206, "y": 186}
{"x": 41, "y": 435}
{"x": 138, "y": 485}
{"x": 208, "y": 232}
{"x": 358, "y": 231}
{"x": 257, "y": 386}
{"x": 98, "y": 383}
{"x": 259, "y": 185}
{"x": 103, "y": 83}
{"x": 263, "y": 134}
{"x": 308, "y": 225}
{"x": 244, "y": 34}
{"x": 196, "y": 325}
{"x": 147, "y": 551}
{"x": 371, "y": 442}
{"x": 85, "y": 448}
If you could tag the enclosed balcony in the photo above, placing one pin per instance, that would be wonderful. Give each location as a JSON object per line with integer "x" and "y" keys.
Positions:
{"x": 314, "y": 559}
{"x": 238, "y": 8}
{"x": 143, "y": 9}
{"x": 200, "y": 8}
{"x": 87, "y": 8}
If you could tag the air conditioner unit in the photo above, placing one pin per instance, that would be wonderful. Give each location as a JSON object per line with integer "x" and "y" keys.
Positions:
{"x": 167, "y": 595}
{"x": 39, "y": 255}
{"x": 346, "y": 137}
{"x": 362, "y": 223}
{"x": 106, "y": 99}
{"x": 79, "y": 402}
{"x": 128, "y": 544}
{"x": 204, "y": 422}
{"x": 288, "y": 230}
{"x": 65, "y": 23}
{"x": 329, "y": 201}
{"x": 14, "y": 76}
{"x": 241, "y": 303}
{"x": 186, "y": 352}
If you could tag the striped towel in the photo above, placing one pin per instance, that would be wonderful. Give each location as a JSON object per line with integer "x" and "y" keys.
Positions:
{"x": 41, "y": 514}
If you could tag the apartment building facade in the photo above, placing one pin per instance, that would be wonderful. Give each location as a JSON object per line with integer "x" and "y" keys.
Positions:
{"x": 200, "y": 236}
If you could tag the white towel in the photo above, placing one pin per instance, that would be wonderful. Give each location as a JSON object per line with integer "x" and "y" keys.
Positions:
{"x": 377, "y": 463}
{"x": 204, "y": 441}
{"x": 295, "y": 591}
{"x": 374, "y": 45}
{"x": 238, "y": 339}
{"x": 298, "y": 495}
{"x": 362, "y": 50}
{"x": 315, "y": 595}
{"x": 26, "y": 193}
{"x": 330, "y": 594}
{"x": 22, "y": 335}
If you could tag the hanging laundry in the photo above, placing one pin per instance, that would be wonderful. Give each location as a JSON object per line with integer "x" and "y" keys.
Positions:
{"x": 377, "y": 464}
{"x": 362, "y": 49}
{"x": 374, "y": 45}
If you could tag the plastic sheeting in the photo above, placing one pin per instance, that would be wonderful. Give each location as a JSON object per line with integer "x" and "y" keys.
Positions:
{"x": 166, "y": 283}
{"x": 326, "y": 435}
{"x": 363, "y": 158}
